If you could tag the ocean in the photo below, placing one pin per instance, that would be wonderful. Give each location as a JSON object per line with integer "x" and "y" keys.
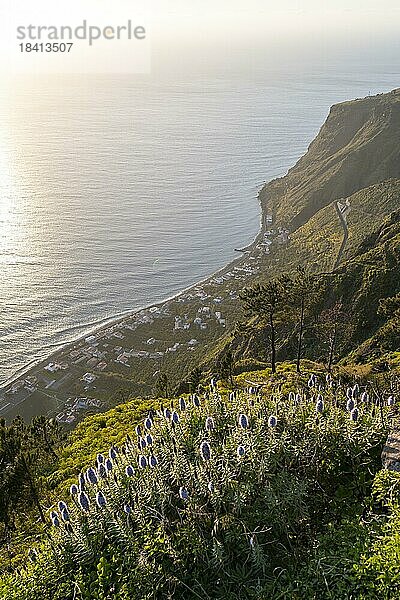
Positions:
{"x": 117, "y": 192}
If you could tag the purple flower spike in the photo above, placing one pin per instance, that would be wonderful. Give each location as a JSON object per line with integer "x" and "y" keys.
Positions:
{"x": 55, "y": 521}
{"x": 149, "y": 439}
{"x": 240, "y": 451}
{"x": 175, "y": 417}
{"x": 127, "y": 509}
{"x": 100, "y": 500}
{"x": 142, "y": 460}
{"x": 112, "y": 453}
{"x": 183, "y": 493}
{"x": 354, "y": 415}
{"x": 84, "y": 502}
{"x": 182, "y": 404}
{"x": 73, "y": 490}
{"x": 350, "y": 404}
{"x": 65, "y": 515}
{"x": 272, "y": 421}
{"x": 243, "y": 421}
{"x": 148, "y": 423}
{"x": 153, "y": 461}
{"x": 91, "y": 476}
{"x": 102, "y": 471}
{"x": 210, "y": 424}
{"x": 109, "y": 465}
{"x": 130, "y": 471}
{"x": 138, "y": 430}
{"x": 205, "y": 450}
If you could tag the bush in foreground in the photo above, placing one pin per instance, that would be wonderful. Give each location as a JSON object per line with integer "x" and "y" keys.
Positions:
{"x": 215, "y": 497}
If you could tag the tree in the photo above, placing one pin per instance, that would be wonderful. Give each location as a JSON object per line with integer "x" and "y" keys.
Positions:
{"x": 194, "y": 379}
{"x": 26, "y": 453}
{"x": 267, "y": 302}
{"x": 226, "y": 365}
{"x": 331, "y": 322}
{"x": 162, "y": 385}
{"x": 302, "y": 296}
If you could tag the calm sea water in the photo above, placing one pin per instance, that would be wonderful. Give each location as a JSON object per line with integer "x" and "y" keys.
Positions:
{"x": 118, "y": 192}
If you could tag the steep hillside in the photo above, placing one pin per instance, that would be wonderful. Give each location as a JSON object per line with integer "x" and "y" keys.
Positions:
{"x": 355, "y": 148}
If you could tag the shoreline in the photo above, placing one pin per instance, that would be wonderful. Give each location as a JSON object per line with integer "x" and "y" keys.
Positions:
{"x": 130, "y": 313}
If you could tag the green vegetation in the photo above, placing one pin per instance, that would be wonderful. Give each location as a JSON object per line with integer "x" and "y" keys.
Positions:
{"x": 229, "y": 495}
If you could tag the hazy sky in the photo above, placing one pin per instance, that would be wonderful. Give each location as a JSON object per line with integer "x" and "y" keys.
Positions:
{"x": 203, "y": 25}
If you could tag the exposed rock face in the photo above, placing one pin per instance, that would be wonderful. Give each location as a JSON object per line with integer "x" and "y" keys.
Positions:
{"x": 356, "y": 147}
{"x": 391, "y": 452}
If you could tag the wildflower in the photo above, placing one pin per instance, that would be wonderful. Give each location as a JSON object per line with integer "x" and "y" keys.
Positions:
{"x": 319, "y": 405}
{"x": 53, "y": 514}
{"x": 130, "y": 471}
{"x": 272, "y": 421}
{"x": 183, "y": 493}
{"x": 91, "y": 476}
{"x": 100, "y": 459}
{"x": 112, "y": 453}
{"x": 102, "y": 471}
{"x": 210, "y": 424}
{"x": 354, "y": 415}
{"x": 100, "y": 499}
{"x": 84, "y": 501}
{"x": 391, "y": 400}
{"x": 210, "y": 486}
{"x": 205, "y": 450}
{"x": 138, "y": 430}
{"x": 73, "y": 490}
{"x": 148, "y": 423}
{"x": 149, "y": 439}
{"x": 182, "y": 403}
{"x": 109, "y": 465}
{"x": 350, "y": 404}
{"x": 81, "y": 481}
{"x": 62, "y": 506}
{"x": 243, "y": 421}
{"x": 196, "y": 401}
{"x": 356, "y": 389}
{"x": 175, "y": 417}
{"x": 167, "y": 413}
{"x": 232, "y": 396}
{"x": 349, "y": 393}
{"x": 127, "y": 509}
{"x": 312, "y": 381}
{"x": 153, "y": 461}
{"x": 240, "y": 451}
{"x": 213, "y": 382}
{"x": 142, "y": 461}
{"x": 55, "y": 521}
{"x": 65, "y": 515}
{"x": 32, "y": 555}
{"x": 143, "y": 443}
{"x": 365, "y": 397}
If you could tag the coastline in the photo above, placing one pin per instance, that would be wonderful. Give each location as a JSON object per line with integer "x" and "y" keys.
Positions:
{"x": 113, "y": 321}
